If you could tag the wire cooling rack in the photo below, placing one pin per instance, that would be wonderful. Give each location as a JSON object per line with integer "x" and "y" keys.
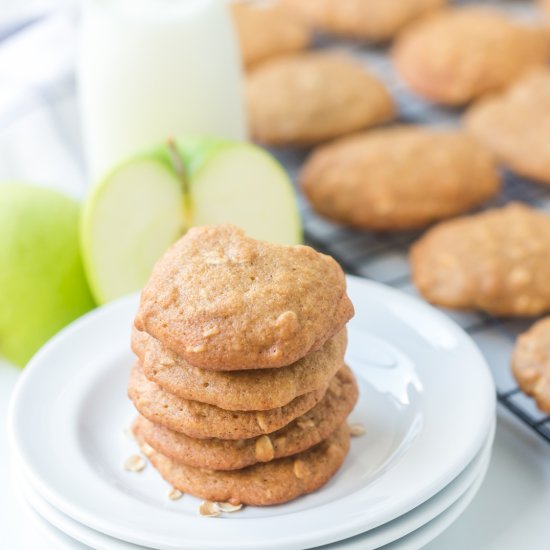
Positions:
{"x": 383, "y": 257}
{"x": 43, "y": 117}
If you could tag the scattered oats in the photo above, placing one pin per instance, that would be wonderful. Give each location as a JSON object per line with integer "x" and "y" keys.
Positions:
{"x": 209, "y": 509}
{"x": 175, "y": 494}
{"x": 357, "y": 430}
{"x": 135, "y": 463}
{"x": 228, "y": 507}
{"x": 129, "y": 434}
{"x": 147, "y": 450}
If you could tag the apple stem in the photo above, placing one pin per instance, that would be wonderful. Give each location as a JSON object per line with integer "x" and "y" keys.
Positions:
{"x": 179, "y": 167}
{"x": 177, "y": 163}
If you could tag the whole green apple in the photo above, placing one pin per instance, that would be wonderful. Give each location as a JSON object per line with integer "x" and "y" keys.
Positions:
{"x": 42, "y": 282}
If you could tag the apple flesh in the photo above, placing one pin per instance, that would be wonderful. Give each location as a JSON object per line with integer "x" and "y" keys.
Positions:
{"x": 128, "y": 221}
{"x": 42, "y": 282}
{"x": 145, "y": 204}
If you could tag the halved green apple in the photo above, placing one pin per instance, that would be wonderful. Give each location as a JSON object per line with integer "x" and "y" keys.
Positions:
{"x": 141, "y": 207}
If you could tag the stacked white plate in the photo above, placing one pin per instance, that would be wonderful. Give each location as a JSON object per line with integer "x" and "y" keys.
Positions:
{"x": 427, "y": 401}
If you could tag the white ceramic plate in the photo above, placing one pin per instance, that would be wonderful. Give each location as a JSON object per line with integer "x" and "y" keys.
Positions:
{"x": 396, "y": 529}
{"x": 37, "y": 529}
{"x": 427, "y": 533}
{"x": 427, "y": 399}
{"x": 413, "y": 541}
{"x": 401, "y": 527}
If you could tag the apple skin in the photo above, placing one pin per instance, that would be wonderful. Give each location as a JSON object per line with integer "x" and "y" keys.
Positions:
{"x": 196, "y": 151}
{"x": 42, "y": 281}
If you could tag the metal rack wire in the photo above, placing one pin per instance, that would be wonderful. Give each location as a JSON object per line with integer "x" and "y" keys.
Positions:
{"x": 487, "y": 331}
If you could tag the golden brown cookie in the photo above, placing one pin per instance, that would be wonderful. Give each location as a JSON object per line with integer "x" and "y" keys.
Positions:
{"x": 263, "y": 484}
{"x": 398, "y": 178}
{"x": 301, "y": 434}
{"x": 201, "y": 420}
{"x": 224, "y": 301}
{"x": 373, "y": 20}
{"x": 268, "y": 30}
{"x": 515, "y": 125}
{"x": 456, "y": 55}
{"x": 544, "y": 5}
{"x": 531, "y": 363}
{"x": 311, "y": 97}
{"x": 497, "y": 261}
{"x": 248, "y": 390}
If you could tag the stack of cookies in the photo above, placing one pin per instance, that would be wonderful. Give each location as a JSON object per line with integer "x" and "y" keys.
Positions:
{"x": 240, "y": 381}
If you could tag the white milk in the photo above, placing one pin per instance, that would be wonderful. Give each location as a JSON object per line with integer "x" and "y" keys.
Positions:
{"x": 152, "y": 69}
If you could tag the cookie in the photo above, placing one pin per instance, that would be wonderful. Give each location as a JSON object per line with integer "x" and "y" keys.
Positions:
{"x": 531, "y": 363}
{"x": 456, "y": 55}
{"x": 544, "y": 5}
{"x": 497, "y": 261}
{"x": 201, "y": 420}
{"x": 371, "y": 20}
{"x": 262, "y": 484}
{"x": 398, "y": 178}
{"x": 268, "y": 30}
{"x": 249, "y": 390}
{"x": 298, "y": 436}
{"x": 224, "y": 301}
{"x": 312, "y": 97}
{"x": 515, "y": 124}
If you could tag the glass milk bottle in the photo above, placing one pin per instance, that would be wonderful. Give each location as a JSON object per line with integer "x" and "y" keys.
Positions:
{"x": 152, "y": 69}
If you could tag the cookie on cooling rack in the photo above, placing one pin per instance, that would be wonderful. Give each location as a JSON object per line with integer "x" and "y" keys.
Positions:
{"x": 312, "y": 97}
{"x": 531, "y": 363}
{"x": 370, "y": 20}
{"x": 515, "y": 125}
{"x": 268, "y": 30}
{"x": 398, "y": 178}
{"x": 459, "y": 54}
{"x": 496, "y": 261}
